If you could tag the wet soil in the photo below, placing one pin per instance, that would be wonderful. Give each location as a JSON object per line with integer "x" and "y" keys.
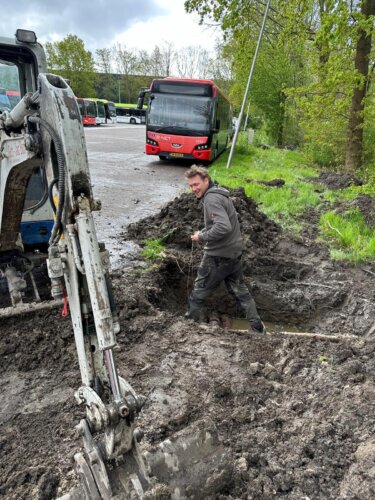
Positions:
{"x": 294, "y": 414}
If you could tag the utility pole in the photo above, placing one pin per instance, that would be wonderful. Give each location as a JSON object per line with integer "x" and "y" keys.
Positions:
{"x": 238, "y": 124}
{"x": 247, "y": 116}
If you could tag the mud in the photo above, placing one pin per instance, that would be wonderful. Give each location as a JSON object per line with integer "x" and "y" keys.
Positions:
{"x": 295, "y": 415}
{"x": 335, "y": 180}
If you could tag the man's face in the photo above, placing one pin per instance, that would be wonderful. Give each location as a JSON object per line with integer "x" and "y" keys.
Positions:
{"x": 198, "y": 185}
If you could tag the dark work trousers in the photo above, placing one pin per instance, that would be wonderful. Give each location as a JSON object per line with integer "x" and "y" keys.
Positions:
{"x": 211, "y": 272}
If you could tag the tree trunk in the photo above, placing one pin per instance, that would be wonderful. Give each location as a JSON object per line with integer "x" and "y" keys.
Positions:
{"x": 356, "y": 115}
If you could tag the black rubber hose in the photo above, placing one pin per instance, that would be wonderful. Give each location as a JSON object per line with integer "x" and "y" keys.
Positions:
{"x": 55, "y": 233}
{"x": 52, "y": 201}
{"x": 50, "y": 194}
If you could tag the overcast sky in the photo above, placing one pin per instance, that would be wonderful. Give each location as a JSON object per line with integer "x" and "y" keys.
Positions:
{"x": 140, "y": 24}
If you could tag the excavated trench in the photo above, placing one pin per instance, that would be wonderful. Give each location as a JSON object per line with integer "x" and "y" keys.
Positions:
{"x": 294, "y": 415}
{"x": 293, "y": 281}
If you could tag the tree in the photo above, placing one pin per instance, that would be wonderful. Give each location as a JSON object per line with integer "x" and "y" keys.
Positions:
{"x": 193, "y": 62}
{"x": 356, "y": 118}
{"x": 107, "y": 83}
{"x": 277, "y": 69}
{"x": 70, "y": 58}
{"x": 127, "y": 62}
{"x": 104, "y": 60}
{"x": 321, "y": 51}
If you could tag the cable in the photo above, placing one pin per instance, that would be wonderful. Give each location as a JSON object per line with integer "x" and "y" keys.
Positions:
{"x": 55, "y": 233}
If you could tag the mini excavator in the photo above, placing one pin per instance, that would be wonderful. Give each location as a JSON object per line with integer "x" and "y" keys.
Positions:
{"x": 42, "y": 140}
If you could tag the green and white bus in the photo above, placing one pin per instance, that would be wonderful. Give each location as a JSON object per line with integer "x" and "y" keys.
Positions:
{"x": 128, "y": 113}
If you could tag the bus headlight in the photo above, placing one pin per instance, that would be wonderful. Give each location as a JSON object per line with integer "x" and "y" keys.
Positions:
{"x": 201, "y": 146}
{"x": 151, "y": 142}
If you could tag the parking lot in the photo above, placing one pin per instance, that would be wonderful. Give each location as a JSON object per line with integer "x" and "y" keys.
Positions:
{"x": 130, "y": 184}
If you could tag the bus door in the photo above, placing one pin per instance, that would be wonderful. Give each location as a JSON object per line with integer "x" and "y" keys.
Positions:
{"x": 110, "y": 111}
{"x": 100, "y": 112}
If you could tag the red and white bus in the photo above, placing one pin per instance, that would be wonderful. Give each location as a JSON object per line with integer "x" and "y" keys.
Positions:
{"x": 14, "y": 97}
{"x": 189, "y": 119}
{"x": 88, "y": 111}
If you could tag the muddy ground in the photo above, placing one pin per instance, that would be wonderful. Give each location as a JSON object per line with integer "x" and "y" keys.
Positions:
{"x": 295, "y": 415}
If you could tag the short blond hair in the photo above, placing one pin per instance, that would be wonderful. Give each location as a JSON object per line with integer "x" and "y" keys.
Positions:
{"x": 197, "y": 170}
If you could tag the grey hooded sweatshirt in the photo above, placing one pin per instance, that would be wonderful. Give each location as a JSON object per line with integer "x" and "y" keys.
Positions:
{"x": 221, "y": 235}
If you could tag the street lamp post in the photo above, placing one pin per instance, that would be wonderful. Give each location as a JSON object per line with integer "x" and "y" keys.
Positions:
{"x": 238, "y": 124}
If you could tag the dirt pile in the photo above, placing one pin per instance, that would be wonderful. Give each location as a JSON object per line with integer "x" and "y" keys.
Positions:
{"x": 295, "y": 415}
{"x": 293, "y": 281}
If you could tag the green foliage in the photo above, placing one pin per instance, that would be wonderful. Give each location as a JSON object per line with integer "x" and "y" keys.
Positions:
{"x": 350, "y": 237}
{"x": 254, "y": 166}
{"x": 153, "y": 249}
{"x": 307, "y": 71}
{"x": 70, "y": 59}
{"x": 346, "y": 233}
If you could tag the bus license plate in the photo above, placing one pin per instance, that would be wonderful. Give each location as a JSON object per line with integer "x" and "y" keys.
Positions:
{"x": 177, "y": 155}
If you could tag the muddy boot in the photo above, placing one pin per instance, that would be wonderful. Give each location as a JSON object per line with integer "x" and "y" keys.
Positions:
{"x": 194, "y": 313}
{"x": 257, "y": 326}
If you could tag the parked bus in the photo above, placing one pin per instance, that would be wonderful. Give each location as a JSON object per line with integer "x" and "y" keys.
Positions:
{"x": 109, "y": 111}
{"x": 14, "y": 97}
{"x": 126, "y": 113}
{"x": 4, "y": 101}
{"x": 100, "y": 112}
{"x": 87, "y": 108}
{"x": 186, "y": 118}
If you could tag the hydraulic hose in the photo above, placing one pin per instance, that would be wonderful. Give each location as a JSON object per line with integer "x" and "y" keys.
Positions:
{"x": 50, "y": 194}
{"x": 55, "y": 234}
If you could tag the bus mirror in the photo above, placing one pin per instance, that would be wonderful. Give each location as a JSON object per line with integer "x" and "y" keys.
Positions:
{"x": 140, "y": 102}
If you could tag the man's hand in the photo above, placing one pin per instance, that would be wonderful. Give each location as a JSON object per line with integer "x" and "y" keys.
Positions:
{"x": 195, "y": 236}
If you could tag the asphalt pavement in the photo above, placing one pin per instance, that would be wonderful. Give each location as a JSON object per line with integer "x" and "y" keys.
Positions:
{"x": 130, "y": 184}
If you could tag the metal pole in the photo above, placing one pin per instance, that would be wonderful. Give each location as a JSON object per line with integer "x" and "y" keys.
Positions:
{"x": 238, "y": 124}
{"x": 247, "y": 117}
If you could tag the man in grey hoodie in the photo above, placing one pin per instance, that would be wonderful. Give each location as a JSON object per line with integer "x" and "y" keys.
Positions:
{"x": 222, "y": 249}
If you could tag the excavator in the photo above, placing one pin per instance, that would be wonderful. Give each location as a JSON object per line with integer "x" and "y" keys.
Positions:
{"x": 43, "y": 134}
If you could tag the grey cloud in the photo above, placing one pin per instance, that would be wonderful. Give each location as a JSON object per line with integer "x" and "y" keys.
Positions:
{"x": 96, "y": 22}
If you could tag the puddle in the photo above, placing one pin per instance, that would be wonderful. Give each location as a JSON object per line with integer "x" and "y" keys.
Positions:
{"x": 123, "y": 254}
{"x": 241, "y": 324}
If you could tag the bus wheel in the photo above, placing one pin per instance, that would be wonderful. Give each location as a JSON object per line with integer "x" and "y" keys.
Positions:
{"x": 132, "y": 121}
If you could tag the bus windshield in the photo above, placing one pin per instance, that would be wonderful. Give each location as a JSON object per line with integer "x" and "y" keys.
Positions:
{"x": 111, "y": 109}
{"x": 90, "y": 107}
{"x": 170, "y": 113}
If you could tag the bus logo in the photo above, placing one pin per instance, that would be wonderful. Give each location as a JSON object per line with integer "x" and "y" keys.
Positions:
{"x": 175, "y": 145}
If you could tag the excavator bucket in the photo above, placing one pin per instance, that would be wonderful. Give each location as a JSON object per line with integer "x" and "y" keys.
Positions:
{"x": 192, "y": 463}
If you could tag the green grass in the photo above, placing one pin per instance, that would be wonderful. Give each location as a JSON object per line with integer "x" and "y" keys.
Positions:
{"x": 282, "y": 204}
{"x": 351, "y": 239}
{"x": 153, "y": 249}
